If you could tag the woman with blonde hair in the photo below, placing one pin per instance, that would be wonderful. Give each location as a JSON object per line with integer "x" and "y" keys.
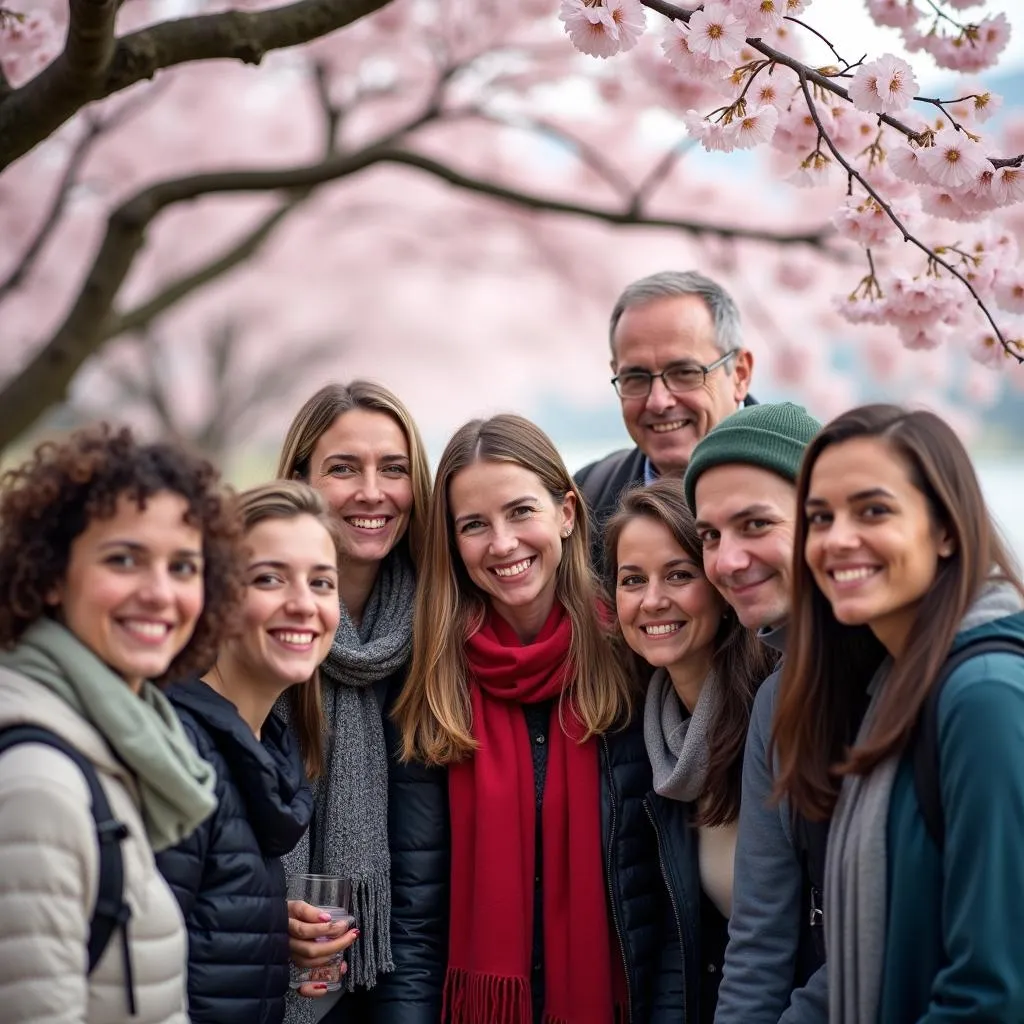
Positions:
{"x": 558, "y": 910}
{"x": 373, "y": 819}
{"x": 227, "y": 875}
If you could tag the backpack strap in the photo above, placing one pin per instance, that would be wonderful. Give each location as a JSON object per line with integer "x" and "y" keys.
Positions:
{"x": 924, "y": 740}
{"x": 111, "y": 910}
{"x": 810, "y": 840}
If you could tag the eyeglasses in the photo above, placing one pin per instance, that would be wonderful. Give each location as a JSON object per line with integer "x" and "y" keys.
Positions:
{"x": 677, "y": 379}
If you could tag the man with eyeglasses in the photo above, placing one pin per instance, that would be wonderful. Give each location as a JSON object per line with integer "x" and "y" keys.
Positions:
{"x": 680, "y": 368}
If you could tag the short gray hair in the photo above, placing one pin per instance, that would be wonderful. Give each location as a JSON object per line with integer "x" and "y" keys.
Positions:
{"x": 670, "y": 283}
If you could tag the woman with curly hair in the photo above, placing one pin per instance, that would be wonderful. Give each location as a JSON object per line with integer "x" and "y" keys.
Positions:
{"x": 701, "y": 669}
{"x": 119, "y": 565}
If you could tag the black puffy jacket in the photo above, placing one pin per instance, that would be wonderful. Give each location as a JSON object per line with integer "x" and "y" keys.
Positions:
{"x": 420, "y": 857}
{"x": 421, "y": 851}
{"x": 227, "y": 876}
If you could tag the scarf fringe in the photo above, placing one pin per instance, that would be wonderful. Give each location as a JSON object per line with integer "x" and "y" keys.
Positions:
{"x": 472, "y": 998}
{"x": 370, "y": 955}
{"x": 621, "y": 1016}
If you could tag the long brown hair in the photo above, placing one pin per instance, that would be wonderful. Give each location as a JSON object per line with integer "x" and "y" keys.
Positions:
{"x": 317, "y": 416}
{"x": 289, "y": 499}
{"x": 433, "y": 711}
{"x": 827, "y": 663}
{"x": 739, "y": 659}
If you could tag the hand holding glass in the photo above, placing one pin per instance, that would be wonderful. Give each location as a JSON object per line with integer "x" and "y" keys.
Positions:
{"x": 327, "y": 900}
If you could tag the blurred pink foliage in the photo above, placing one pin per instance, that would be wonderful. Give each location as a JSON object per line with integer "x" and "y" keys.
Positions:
{"x": 462, "y": 303}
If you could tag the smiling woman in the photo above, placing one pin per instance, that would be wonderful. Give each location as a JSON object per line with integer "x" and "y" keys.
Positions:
{"x": 374, "y": 820}
{"x": 896, "y": 552}
{"x": 519, "y": 687}
{"x": 119, "y": 565}
{"x": 706, "y": 670}
{"x": 228, "y": 876}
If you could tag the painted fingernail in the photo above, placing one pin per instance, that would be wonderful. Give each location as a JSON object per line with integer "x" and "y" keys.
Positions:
{"x": 321, "y": 985}
{"x": 355, "y": 932}
{"x": 324, "y": 918}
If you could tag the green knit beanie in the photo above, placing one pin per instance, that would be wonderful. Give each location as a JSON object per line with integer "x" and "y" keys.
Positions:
{"x": 771, "y": 436}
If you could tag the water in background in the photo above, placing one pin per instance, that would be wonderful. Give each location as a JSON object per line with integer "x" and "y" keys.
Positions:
{"x": 1000, "y": 480}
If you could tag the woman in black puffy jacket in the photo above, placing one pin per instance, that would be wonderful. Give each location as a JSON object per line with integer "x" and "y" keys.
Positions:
{"x": 228, "y": 876}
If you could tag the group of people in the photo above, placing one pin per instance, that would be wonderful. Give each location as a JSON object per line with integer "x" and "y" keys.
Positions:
{"x": 730, "y": 727}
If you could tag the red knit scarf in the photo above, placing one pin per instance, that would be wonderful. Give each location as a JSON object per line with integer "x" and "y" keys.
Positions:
{"x": 493, "y": 811}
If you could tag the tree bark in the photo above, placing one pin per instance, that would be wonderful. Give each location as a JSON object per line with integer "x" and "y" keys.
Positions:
{"x": 95, "y": 65}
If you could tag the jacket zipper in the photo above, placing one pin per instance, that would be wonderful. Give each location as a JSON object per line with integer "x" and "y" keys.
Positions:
{"x": 675, "y": 906}
{"x": 611, "y": 894}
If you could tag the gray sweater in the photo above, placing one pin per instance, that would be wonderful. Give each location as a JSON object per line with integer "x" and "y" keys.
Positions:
{"x": 764, "y": 930}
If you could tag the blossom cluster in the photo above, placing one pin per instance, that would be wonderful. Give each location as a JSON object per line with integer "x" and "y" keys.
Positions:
{"x": 913, "y": 171}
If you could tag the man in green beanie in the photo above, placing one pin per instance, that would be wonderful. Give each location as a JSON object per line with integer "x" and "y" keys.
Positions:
{"x": 741, "y": 486}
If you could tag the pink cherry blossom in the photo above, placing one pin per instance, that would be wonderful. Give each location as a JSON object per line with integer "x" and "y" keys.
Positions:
{"x": 893, "y": 13}
{"x": 985, "y": 348}
{"x": 954, "y": 160}
{"x": 763, "y": 16}
{"x": 716, "y": 32}
{"x": 918, "y": 336}
{"x": 602, "y": 28}
{"x": 883, "y": 86}
{"x": 755, "y": 127}
{"x": 861, "y": 309}
{"x": 1009, "y": 289}
{"x": 905, "y": 162}
{"x": 713, "y": 136}
{"x": 862, "y": 220}
{"x": 985, "y": 105}
{"x": 973, "y": 50}
{"x": 948, "y": 204}
{"x": 676, "y": 48}
{"x": 1008, "y": 185}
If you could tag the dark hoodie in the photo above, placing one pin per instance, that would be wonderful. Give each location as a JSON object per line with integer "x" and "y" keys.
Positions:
{"x": 227, "y": 875}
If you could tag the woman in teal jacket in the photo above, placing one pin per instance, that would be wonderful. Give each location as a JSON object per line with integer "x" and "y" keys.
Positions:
{"x": 894, "y": 546}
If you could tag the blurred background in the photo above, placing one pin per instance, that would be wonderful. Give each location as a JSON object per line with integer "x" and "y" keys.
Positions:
{"x": 473, "y": 276}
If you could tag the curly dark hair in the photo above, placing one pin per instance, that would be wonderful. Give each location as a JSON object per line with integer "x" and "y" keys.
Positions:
{"x": 50, "y": 500}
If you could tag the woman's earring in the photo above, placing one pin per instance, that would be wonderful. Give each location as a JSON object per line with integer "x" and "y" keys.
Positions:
{"x": 567, "y": 533}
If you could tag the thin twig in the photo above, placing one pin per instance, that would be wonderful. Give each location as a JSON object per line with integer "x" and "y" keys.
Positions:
{"x": 890, "y": 213}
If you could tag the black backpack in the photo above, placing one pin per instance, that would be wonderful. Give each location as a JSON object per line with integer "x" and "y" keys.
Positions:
{"x": 111, "y": 912}
{"x": 811, "y": 837}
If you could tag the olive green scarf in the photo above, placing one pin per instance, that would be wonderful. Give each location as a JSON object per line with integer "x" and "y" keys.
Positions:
{"x": 176, "y": 786}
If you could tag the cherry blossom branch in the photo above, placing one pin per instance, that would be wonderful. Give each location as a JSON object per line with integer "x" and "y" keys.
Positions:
{"x": 141, "y": 316}
{"x": 823, "y": 81}
{"x": 933, "y": 257}
{"x": 86, "y": 72}
{"x": 95, "y": 129}
{"x": 46, "y": 377}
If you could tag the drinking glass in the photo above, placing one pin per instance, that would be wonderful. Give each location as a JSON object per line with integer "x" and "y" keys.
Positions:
{"x": 331, "y": 895}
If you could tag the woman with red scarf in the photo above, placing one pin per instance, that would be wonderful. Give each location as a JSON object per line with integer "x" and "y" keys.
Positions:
{"x": 558, "y": 911}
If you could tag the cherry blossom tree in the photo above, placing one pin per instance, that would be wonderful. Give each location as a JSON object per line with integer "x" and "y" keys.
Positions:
{"x": 916, "y": 172}
{"x": 436, "y": 133}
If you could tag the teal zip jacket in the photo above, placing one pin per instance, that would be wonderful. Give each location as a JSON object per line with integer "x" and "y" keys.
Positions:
{"x": 953, "y": 946}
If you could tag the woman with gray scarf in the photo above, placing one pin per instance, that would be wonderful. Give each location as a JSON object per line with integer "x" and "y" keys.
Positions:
{"x": 706, "y": 670}
{"x": 372, "y": 818}
{"x": 895, "y": 548}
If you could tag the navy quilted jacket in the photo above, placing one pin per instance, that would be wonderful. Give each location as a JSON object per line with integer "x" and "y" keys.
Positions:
{"x": 227, "y": 876}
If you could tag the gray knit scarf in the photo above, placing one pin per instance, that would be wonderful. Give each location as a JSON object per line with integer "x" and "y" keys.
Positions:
{"x": 856, "y": 863}
{"x": 677, "y": 743}
{"x": 349, "y": 833}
